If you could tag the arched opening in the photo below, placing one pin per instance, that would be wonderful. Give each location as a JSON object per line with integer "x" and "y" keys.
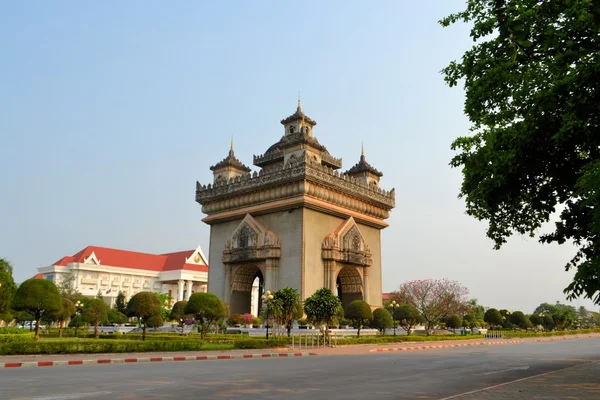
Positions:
{"x": 246, "y": 290}
{"x": 349, "y": 286}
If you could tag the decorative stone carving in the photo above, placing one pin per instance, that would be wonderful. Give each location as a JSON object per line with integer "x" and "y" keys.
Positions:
{"x": 347, "y": 245}
{"x": 251, "y": 241}
{"x": 350, "y": 280}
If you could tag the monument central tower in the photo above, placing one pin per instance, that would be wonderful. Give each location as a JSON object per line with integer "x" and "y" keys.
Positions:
{"x": 297, "y": 222}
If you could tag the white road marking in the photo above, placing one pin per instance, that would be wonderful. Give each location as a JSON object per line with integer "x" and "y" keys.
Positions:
{"x": 510, "y": 382}
{"x": 506, "y": 370}
{"x": 70, "y": 396}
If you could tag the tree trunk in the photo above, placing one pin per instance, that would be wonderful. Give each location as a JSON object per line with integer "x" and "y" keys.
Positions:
{"x": 96, "y": 331}
{"x": 358, "y": 331}
{"x": 60, "y": 326}
{"x": 144, "y": 331}
{"x": 37, "y": 329}
{"x": 182, "y": 328}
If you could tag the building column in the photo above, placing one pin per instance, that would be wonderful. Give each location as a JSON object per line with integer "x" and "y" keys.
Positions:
{"x": 227, "y": 284}
{"x": 332, "y": 278}
{"x": 366, "y": 284}
{"x": 180, "y": 290}
{"x": 190, "y": 284}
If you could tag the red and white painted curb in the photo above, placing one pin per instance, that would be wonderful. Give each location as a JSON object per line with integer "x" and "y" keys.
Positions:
{"x": 552, "y": 339}
{"x": 28, "y": 364}
{"x": 443, "y": 346}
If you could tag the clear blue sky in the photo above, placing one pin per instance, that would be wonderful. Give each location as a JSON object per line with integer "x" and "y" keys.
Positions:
{"x": 110, "y": 111}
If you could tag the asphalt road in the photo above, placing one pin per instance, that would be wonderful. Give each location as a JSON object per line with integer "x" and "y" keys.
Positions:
{"x": 432, "y": 374}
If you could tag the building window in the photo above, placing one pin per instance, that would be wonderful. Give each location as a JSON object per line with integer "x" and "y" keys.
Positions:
{"x": 291, "y": 129}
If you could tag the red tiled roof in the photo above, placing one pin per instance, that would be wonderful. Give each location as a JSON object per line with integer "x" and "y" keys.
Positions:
{"x": 135, "y": 260}
{"x": 38, "y": 276}
{"x": 385, "y": 296}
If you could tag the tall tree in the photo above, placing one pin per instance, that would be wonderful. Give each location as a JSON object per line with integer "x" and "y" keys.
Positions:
{"x": 532, "y": 82}
{"x": 207, "y": 310}
{"x": 408, "y": 316}
{"x": 142, "y": 306}
{"x": 322, "y": 308}
{"x": 66, "y": 286}
{"x": 435, "y": 299}
{"x": 121, "y": 303}
{"x": 286, "y": 307}
{"x": 95, "y": 312}
{"x": 37, "y": 297}
{"x": 63, "y": 315}
{"x": 8, "y": 288}
{"x": 493, "y": 317}
{"x": 382, "y": 320}
{"x": 359, "y": 312}
{"x": 178, "y": 314}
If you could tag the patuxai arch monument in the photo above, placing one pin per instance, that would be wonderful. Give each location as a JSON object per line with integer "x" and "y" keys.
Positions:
{"x": 297, "y": 222}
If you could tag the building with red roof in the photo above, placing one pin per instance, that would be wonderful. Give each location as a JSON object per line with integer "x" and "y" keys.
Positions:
{"x": 109, "y": 271}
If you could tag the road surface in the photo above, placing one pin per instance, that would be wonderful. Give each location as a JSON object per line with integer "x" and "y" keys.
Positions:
{"x": 431, "y": 374}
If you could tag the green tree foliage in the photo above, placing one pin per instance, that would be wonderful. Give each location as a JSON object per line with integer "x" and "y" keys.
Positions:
{"x": 474, "y": 311}
{"x": 121, "y": 303}
{"x": 519, "y": 319}
{"x": 77, "y": 322}
{"x": 322, "y": 308}
{"x": 453, "y": 322}
{"x": 142, "y": 306}
{"x": 531, "y": 82}
{"x": 207, "y": 309}
{"x": 535, "y": 319}
{"x": 409, "y": 316}
{"x": 66, "y": 287}
{"x": 165, "y": 299}
{"x": 155, "y": 321}
{"x": 63, "y": 315}
{"x": 286, "y": 307}
{"x": 8, "y": 288}
{"x": 563, "y": 315}
{"x": 548, "y": 322}
{"x": 38, "y": 297}
{"x": 359, "y": 312}
{"x": 95, "y": 312}
{"x": 436, "y": 299}
{"x": 493, "y": 317}
{"x": 178, "y": 314}
{"x": 116, "y": 317}
{"x": 382, "y": 320}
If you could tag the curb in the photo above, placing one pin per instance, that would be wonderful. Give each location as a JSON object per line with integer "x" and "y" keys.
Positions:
{"x": 443, "y": 346}
{"x": 30, "y": 364}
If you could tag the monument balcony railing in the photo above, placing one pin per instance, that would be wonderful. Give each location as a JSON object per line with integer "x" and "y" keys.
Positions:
{"x": 331, "y": 160}
{"x": 275, "y": 155}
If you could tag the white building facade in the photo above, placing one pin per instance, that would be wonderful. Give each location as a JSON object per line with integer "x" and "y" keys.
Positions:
{"x": 106, "y": 271}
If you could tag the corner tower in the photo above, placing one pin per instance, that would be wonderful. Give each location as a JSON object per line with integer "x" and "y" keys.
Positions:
{"x": 295, "y": 222}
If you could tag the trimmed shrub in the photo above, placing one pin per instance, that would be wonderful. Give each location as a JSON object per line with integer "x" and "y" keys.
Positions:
{"x": 259, "y": 343}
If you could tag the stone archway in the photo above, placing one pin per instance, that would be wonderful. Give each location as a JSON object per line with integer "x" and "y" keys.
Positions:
{"x": 349, "y": 285}
{"x": 244, "y": 276}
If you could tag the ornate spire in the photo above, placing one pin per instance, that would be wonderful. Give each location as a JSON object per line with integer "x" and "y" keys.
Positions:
{"x": 362, "y": 149}
{"x": 230, "y": 161}
{"x": 363, "y": 166}
{"x": 298, "y": 116}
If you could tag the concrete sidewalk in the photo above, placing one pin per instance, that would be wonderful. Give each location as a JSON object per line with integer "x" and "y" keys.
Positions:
{"x": 46, "y": 360}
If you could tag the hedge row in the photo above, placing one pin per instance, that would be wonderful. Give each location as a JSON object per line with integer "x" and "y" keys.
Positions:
{"x": 101, "y": 346}
{"x": 523, "y": 334}
{"x": 259, "y": 343}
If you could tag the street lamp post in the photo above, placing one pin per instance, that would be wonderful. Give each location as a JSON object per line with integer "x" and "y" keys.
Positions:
{"x": 266, "y": 298}
{"x": 394, "y": 306}
{"x": 78, "y": 308}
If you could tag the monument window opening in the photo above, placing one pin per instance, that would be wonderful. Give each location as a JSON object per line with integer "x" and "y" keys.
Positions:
{"x": 349, "y": 286}
{"x": 246, "y": 291}
{"x": 291, "y": 129}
